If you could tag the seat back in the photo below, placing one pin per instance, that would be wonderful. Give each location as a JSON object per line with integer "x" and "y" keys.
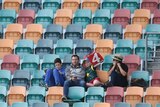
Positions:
{"x": 92, "y": 5}
{"x": 71, "y": 4}
{"x": 111, "y": 5}
{"x": 131, "y": 5}
{"x": 151, "y": 5}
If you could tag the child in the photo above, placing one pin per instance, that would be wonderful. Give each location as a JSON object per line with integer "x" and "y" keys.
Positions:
{"x": 91, "y": 75}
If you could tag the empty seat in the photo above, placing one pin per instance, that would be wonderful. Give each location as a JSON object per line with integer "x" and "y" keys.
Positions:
{"x": 64, "y": 47}
{"x": 102, "y": 16}
{"x": 11, "y": 62}
{"x": 152, "y": 95}
{"x": 6, "y": 47}
{"x": 16, "y": 94}
{"x": 114, "y": 95}
{"x": 52, "y": 4}
{"x": 156, "y": 15}
{"x": 112, "y": 5}
{"x": 34, "y": 32}
{"x": 48, "y": 61}
{"x": 141, "y": 75}
{"x": 40, "y": 104}
{"x": 14, "y": 32}
{"x": 63, "y": 17}
{"x": 83, "y": 17}
{"x": 54, "y": 32}
{"x": 132, "y": 5}
{"x": 3, "y": 93}
{"x": 37, "y": 78}
{"x": 133, "y": 62}
{"x": 20, "y": 104}
{"x": 114, "y": 32}
{"x": 143, "y": 105}
{"x": 12, "y": 4}
{"x": 54, "y": 95}
{"x": 35, "y": 96}
{"x": 124, "y": 47}
{"x": 74, "y": 32}
{"x": 140, "y": 48}
{"x": 67, "y": 60}
{"x": 32, "y": 5}
{"x": 71, "y": 4}
{"x": 8, "y": 16}
{"x": 158, "y": 105}
{"x": 25, "y": 17}
{"x": 134, "y": 95}
{"x": 92, "y": 5}
{"x": 104, "y": 47}
{"x": 108, "y": 61}
{"x": 1, "y": 31}
{"x": 101, "y": 105}
{"x": 122, "y": 104}
{"x": 142, "y": 17}
{"x": 151, "y": 5}
{"x": 24, "y": 47}
{"x": 122, "y": 17}
{"x": 3, "y": 104}
{"x": 84, "y": 47}
{"x": 44, "y": 46}
{"x": 133, "y": 32}
{"x": 5, "y": 77}
{"x": 43, "y": 18}
{"x": 81, "y": 104}
{"x": 21, "y": 78}
{"x": 155, "y": 81}
{"x": 93, "y": 32}
{"x": 94, "y": 95}
{"x": 30, "y": 62}
{"x": 61, "y": 105}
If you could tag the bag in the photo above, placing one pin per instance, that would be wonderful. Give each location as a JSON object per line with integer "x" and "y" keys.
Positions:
{"x": 138, "y": 82}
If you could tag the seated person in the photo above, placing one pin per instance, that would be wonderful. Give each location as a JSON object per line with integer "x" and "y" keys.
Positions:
{"x": 118, "y": 72}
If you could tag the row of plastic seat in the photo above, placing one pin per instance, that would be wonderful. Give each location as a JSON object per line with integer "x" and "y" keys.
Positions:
{"x": 93, "y": 95}
{"x": 75, "y": 4}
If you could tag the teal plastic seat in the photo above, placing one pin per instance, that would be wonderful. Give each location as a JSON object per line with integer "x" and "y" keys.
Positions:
{"x": 5, "y": 77}
{"x": 30, "y": 62}
{"x": 153, "y": 33}
{"x": 64, "y": 47}
{"x": 140, "y": 48}
{"x": 74, "y": 32}
{"x": 1, "y": 32}
{"x": 36, "y": 94}
{"x": 44, "y": 46}
{"x": 60, "y": 105}
{"x": 3, "y": 104}
{"x": 24, "y": 47}
{"x": 124, "y": 47}
{"x": 84, "y": 47}
{"x": 3, "y": 93}
{"x": 103, "y": 17}
{"x": 132, "y": 5}
{"x": 54, "y": 32}
{"x": 81, "y": 104}
{"x": 37, "y": 77}
{"x": 158, "y": 105}
{"x": 108, "y": 61}
{"x": 20, "y": 104}
{"x": 112, "y": 5}
{"x": 43, "y": 18}
{"x": 122, "y": 104}
{"x": 83, "y": 17}
{"x": 67, "y": 60}
{"x": 48, "y": 61}
{"x": 40, "y": 104}
{"x": 8, "y": 16}
{"x": 94, "y": 95}
{"x": 143, "y": 105}
{"x": 52, "y": 4}
{"x": 141, "y": 74}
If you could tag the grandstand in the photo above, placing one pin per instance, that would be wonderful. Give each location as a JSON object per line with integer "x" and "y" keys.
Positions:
{"x": 35, "y": 32}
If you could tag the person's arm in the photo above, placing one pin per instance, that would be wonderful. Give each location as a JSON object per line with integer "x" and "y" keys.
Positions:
{"x": 47, "y": 77}
{"x": 67, "y": 73}
{"x": 122, "y": 71}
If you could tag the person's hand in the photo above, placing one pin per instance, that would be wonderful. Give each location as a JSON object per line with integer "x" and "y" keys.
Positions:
{"x": 118, "y": 64}
{"x": 114, "y": 63}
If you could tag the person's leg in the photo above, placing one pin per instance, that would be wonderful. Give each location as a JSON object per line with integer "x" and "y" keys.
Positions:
{"x": 59, "y": 79}
{"x": 89, "y": 84}
{"x": 96, "y": 83}
{"x": 82, "y": 83}
{"x": 67, "y": 84}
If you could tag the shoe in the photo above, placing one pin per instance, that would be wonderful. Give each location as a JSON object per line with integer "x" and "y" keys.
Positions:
{"x": 64, "y": 98}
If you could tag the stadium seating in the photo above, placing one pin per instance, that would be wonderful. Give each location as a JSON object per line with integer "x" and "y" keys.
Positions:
{"x": 101, "y": 105}
{"x": 3, "y": 104}
{"x": 151, "y": 5}
{"x": 132, "y": 5}
{"x": 3, "y": 93}
{"x": 5, "y": 77}
{"x": 67, "y": 60}
{"x": 20, "y": 104}
{"x": 108, "y": 61}
{"x": 40, "y": 104}
{"x": 112, "y": 5}
{"x": 155, "y": 81}
{"x": 61, "y": 105}
{"x": 92, "y": 5}
{"x": 71, "y": 4}
{"x": 122, "y": 104}
{"x": 1, "y": 32}
{"x": 158, "y": 105}
{"x": 26, "y": 17}
{"x": 81, "y": 104}
{"x": 156, "y": 15}
{"x": 37, "y": 78}
{"x": 143, "y": 105}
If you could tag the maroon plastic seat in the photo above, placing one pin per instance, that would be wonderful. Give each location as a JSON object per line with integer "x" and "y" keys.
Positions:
{"x": 155, "y": 79}
{"x": 133, "y": 62}
{"x": 122, "y": 17}
{"x": 11, "y": 62}
{"x": 152, "y": 5}
{"x": 26, "y": 17}
{"x": 114, "y": 95}
{"x": 156, "y": 17}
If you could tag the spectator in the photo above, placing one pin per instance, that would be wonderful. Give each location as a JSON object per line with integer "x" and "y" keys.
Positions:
{"x": 118, "y": 72}
{"x": 74, "y": 75}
